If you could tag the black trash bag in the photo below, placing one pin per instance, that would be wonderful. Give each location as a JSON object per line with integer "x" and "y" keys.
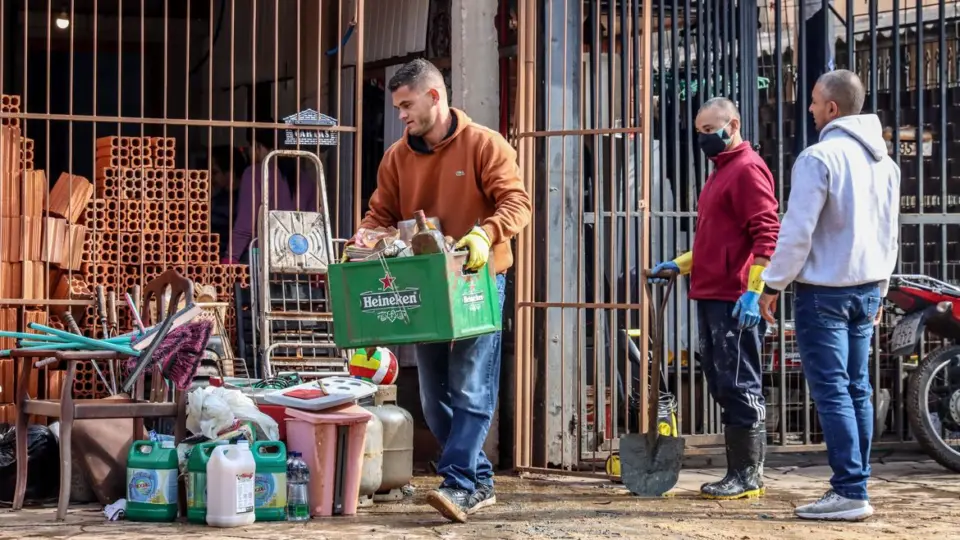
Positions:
{"x": 43, "y": 463}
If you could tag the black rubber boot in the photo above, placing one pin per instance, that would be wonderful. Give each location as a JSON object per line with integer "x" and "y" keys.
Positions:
{"x": 745, "y": 453}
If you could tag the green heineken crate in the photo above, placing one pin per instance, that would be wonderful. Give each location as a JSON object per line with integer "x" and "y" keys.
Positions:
{"x": 420, "y": 299}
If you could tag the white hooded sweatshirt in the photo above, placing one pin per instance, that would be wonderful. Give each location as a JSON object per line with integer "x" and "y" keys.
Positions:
{"x": 841, "y": 227}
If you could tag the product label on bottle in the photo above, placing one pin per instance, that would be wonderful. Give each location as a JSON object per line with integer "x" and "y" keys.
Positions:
{"x": 271, "y": 490}
{"x": 245, "y": 489}
{"x": 152, "y": 486}
{"x": 197, "y": 490}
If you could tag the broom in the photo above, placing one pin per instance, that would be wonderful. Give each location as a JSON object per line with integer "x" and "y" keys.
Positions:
{"x": 179, "y": 352}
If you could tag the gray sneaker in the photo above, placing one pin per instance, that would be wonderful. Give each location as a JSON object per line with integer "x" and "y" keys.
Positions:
{"x": 833, "y": 507}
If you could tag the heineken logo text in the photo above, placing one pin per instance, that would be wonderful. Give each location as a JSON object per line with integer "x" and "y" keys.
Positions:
{"x": 390, "y": 306}
{"x": 471, "y": 298}
{"x": 374, "y": 301}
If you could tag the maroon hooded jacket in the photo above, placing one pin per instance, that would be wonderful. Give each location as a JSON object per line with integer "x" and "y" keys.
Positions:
{"x": 736, "y": 221}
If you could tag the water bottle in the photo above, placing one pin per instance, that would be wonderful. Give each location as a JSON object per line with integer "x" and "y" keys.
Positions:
{"x": 298, "y": 479}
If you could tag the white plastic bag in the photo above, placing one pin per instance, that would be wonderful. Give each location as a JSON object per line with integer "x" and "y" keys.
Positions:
{"x": 212, "y": 409}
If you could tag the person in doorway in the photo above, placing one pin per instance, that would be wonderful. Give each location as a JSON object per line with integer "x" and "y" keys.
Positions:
{"x": 251, "y": 192}
{"x": 467, "y": 177}
{"x": 839, "y": 243}
{"x": 223, "y": 191}
{"x": 737, "y": 227}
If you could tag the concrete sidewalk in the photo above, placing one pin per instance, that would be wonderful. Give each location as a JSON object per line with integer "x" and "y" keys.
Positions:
{"x": 913, "y": 500}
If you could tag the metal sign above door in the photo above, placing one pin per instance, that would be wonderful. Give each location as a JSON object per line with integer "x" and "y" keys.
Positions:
{"x": 311, "y": 137}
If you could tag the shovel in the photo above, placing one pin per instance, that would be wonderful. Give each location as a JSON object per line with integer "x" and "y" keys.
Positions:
{"x": 650, "y": 463}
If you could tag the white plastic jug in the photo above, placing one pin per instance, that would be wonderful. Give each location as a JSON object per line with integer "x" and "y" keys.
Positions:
{"x": 230, "y": 486}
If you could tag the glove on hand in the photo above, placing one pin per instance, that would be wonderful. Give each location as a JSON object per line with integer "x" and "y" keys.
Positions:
{"x": 748, "y": 306}
{"x": 477, "y": 242}
{"x": 747, "y": 310}
{"x": 655, "y": 273}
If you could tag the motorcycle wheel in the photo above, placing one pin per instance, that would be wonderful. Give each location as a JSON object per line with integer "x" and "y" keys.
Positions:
{"x": 918, "y": 408}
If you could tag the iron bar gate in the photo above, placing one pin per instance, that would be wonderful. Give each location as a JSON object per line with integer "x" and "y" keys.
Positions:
{"x": 608, "y": 94}
{"x": 145, "y": 112}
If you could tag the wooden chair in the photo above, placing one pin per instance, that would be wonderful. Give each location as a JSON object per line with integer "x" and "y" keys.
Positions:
{"x": 67, "y": 409}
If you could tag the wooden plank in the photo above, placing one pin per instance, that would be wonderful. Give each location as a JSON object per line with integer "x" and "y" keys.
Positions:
{"x": 69, "y": 197}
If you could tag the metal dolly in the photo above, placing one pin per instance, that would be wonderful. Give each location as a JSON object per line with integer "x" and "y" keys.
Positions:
{"x": 292, "y": 313}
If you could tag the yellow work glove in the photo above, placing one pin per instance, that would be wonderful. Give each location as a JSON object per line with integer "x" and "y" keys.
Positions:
{"x": 684, "y": 263}
{"x": 477, "y": 242}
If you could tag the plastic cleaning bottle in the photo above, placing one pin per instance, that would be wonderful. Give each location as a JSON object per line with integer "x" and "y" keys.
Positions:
{"x": 230, "y": 486}
{"x": 197, "y": 480}
{"x": 271, "y": 482}
{"x": 298, "y": 480}
{"x": 152, "y": 481}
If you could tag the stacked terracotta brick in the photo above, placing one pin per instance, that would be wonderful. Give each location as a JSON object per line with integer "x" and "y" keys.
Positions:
{"x": 42, "y": 238}
{"x": 148, "y": 216}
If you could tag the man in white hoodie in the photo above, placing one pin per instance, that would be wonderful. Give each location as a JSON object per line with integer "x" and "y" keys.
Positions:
{"x": 838, "y": 242}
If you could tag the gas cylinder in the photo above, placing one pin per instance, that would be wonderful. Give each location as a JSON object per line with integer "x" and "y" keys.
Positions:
{"x": 397, "y": 443}
{"x": 372, "y": 472}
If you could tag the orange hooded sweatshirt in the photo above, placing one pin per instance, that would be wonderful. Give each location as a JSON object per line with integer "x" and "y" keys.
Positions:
{"x": 471, "y": 176}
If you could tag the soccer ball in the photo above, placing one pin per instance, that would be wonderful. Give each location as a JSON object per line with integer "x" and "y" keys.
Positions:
{"x": 379, "y": 367}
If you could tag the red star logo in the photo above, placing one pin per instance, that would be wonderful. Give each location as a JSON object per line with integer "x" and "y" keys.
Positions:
{"x": 387, "y": 281}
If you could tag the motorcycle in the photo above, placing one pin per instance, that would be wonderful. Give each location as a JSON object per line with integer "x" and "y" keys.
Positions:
{"x": 933, "y": 389}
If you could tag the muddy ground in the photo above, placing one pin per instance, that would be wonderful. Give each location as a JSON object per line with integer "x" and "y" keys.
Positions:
{"x": 914, "y": 500}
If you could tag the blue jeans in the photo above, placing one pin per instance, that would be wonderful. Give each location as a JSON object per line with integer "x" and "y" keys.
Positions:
{"x": 459, "y": 385}
{"x": 834, "y": 328}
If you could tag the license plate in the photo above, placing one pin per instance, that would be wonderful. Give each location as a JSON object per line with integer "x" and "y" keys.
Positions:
{"x": 905, "y": 337}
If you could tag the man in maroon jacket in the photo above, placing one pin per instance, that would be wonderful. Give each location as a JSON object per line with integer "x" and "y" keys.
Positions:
{"x": 736, "y": 234}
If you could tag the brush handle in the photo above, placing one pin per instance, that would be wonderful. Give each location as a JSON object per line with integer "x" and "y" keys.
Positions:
{"x": 30, "y": 343}
{"x": 72, "y": 323}
{"x": 25, "y": 335}
{"x": 112, "y": 311}
{"x": 96, "y": 343}
{"x": 134, "y": 311}
{"x": 146, "y": 357}
{"x": 102, "y": 310}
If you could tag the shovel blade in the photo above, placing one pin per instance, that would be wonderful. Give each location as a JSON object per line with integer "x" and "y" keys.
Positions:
{"x": 650, "y": 468}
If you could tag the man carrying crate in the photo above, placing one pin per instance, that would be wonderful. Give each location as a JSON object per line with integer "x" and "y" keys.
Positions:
{"x": 467, "y": 177}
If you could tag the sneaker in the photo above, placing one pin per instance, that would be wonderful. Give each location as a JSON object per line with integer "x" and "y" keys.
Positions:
{"x": 452, "y": 503}
{"x": 481, "y": 498}
{"x": 833, "y": 507}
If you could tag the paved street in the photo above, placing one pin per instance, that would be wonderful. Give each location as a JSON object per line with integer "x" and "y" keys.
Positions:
{"x": 913, "y": 500}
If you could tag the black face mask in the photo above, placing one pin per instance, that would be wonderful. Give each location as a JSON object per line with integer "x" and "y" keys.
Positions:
{"x": 713, "y": 143}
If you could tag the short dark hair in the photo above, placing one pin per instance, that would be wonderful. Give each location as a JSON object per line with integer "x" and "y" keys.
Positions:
{"x": 725, "y": 105}
{"x": 414, "y": 74}
{"x": 844, "y": 88}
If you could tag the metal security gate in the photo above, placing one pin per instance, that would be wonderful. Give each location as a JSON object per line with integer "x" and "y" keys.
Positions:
{"x": 600, "y": 80}
{"x": 127, "y": 130}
